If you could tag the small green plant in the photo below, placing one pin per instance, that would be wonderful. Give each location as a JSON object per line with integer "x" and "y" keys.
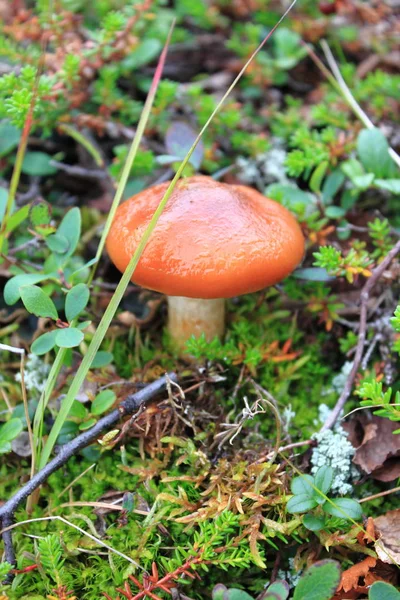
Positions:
{"x": 356, "y": 262}
{"x": 374, "y": 396}
{"x": 8, "y": 432}
{"x": 310, "y": 496}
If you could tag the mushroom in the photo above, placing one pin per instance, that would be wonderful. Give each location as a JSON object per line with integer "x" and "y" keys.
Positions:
{"x": 212, "y": 241}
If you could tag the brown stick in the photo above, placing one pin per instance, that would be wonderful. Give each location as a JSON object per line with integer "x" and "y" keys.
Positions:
{"x": 131, "y": 404}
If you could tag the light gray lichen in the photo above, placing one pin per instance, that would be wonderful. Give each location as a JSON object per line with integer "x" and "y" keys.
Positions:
{"x": 266, "y": 168}
{"x": 334, "y": 450}
{"x": 291, "y": 576}
{"x": 35, "y": 374}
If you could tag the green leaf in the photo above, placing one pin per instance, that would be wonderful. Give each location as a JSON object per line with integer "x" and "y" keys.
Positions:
{"x": 37, "y": 302}
{"x": 235, "y": 594}
{"x": 313, "y": 523}
{"x": 57, "y": 243}
{"x": 83, "y": 325}
{"x": 345, "y": 508}
{"x": 312, "y": 274}
{"x": 9, "y": 137}
{"x": 37, "y": 164}
{"x": 4, "y": 447}
{"x": 69, "y": 337}
{"x": 373, "y": 151}
{"x": 301, "y": 503}
{"x": 17, "y": 218}
{"x": 40, "y": 213}
{"x": 44, "y": 343}
{"x": 70, "y": 228}
{"x": 392, "y": 185}
{"x": 363, "y": 182}
{"x": 335, "y": 212}
{"x": 12, "y": 289}
{"x": 10, "y": 430}
{"x": 3, "y": 202}
{"x": 87, "y": 424}
{"x": 323, "y": 479}
{"x": 102, "y": 359}
{"x": 220, "y": 592}
{"x": 317, "y": 176}
{"x": 319, "y": 582}
{"x": 147, "y": 51}
{"x": 78, "y": 411}
{"x": 383, "y": 591}
{"x": 279, "y": 590}
{"x": 332, "y": 185}
{"x": 76, "y": 301}
{"x": 102, "y": 402}
{"x": 302, "y": 485}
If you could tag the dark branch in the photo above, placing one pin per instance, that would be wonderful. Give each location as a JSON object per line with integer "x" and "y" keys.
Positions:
{"x": 362, "y": 333}
{"x": 127, "y": 407}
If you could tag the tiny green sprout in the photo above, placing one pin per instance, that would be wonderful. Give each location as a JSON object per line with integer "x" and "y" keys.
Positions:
{"x": 310, "y": 496}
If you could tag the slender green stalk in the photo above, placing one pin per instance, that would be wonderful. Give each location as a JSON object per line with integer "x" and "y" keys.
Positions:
{"x": 341, "y": 87}
{"x": 144, "y": 117}
{"x": 44, "y": 400}
{"x": 83, "y": 141}
{"x": 126, "y": 277}
{"x": 346, "y": 93}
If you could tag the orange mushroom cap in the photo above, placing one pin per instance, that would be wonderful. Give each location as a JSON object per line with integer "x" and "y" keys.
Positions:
{"x": 213, "y": 240}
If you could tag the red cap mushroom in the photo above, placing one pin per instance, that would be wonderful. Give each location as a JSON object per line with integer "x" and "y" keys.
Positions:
{"x": 212, "y": 241}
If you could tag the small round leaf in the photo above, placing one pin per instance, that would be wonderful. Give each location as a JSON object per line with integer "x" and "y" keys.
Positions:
{"x": 69, "y": 337}
{"x": 37, "y": 302}
{"x": 101, "y": 359}
{"x": 301, "y": 503}
{"x": 323, "y": 479}
{"x": 76, "y": 301}
{"x": 57, "y": 243}
{"x": 313, "y": 523}
{"x": 44, "y": 343}
{"x": 302, "y": 485}
{"x": 102, "y": 402}
{"x": 10, "y": 430}
{"x": 345, "y": 508}
{"x": 319, "y": 582}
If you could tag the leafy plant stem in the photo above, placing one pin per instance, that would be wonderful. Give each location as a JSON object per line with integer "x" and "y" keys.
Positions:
{"x": 21, "y": 149}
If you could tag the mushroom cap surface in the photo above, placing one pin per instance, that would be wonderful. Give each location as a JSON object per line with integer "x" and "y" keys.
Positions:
{"x": 213, "y": 240}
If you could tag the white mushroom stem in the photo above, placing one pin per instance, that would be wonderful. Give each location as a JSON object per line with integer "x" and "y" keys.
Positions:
{"x": 193, "y": 316}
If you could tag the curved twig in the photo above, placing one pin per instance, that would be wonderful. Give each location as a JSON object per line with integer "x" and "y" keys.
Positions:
{"x": 132, "y": 403}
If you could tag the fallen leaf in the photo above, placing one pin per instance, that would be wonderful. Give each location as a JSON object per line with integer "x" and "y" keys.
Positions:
{"x": 377, "y": 447}
{"x": 367, "y": 536}
{"x": 388, "y": 528}
{"x": 351, "y": 577}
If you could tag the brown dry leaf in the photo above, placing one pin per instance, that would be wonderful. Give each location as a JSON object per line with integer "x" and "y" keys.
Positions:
{"x": 368, "y": 535}
{"x": 388, "y": 545}
{"x": 351, "y": 577}
{"x": 377, "y": 447}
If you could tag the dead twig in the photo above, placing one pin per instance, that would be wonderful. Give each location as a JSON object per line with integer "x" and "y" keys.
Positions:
{"x": 131, "y": 404}
{"x": 362, "y": 332}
